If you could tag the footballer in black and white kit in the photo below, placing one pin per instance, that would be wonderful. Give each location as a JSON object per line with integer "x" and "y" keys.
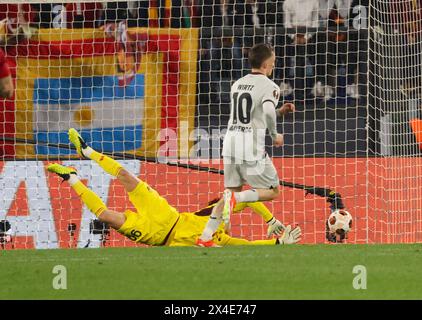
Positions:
{"x": 254, "y": 99}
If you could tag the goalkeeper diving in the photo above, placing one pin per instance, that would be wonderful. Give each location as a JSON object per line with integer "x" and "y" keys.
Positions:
{"x": 155, "y": 222}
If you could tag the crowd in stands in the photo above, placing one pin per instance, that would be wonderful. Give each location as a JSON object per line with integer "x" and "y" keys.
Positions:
{"x": 312, "y": 38}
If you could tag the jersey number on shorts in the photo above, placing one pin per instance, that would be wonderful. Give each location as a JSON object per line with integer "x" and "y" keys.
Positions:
{"x": 240, "y": 113}
{"x": 134, "y": 235}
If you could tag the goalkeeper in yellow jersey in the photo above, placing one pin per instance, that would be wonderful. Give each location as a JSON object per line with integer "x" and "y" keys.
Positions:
{"x": 155, "y": 223}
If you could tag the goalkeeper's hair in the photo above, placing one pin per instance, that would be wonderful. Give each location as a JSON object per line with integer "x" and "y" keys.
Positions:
{"x": 259, "y": 53}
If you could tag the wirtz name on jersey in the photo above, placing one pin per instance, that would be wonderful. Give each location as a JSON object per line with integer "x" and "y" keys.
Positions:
{"x": 245, "y": 87}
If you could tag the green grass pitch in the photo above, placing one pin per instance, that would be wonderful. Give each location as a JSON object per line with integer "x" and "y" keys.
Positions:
{"x": 270, "y": 272}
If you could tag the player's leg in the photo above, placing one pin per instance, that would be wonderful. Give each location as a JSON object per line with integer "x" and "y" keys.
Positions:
{"x": 140, "y": 193}
{"x": 225, "y": 240}
{"x": 113, "y": 218}
{"x": 214, "y": 221}
{"x": 233, "y": 184}
{"x": 190, "y": 226}
{"x": 224, "y": 207}
{"x": 92, "y": 201}
{"x": 111, "y": 166}
{"x": 253, "y": 195}
{"x": 268, "y": 194}
{"x": 290, "y": 236}
{"x": 262, "y": 177}
{"x": 128, "y": 179}
{"x": 228, "y": 207}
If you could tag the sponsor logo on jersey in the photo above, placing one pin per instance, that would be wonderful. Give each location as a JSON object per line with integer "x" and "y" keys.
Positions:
{"x": 240, "y": 128}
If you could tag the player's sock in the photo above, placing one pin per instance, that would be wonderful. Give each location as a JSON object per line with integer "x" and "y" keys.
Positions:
{"x": 261, "y": 209}
{"x": 244, "y": 242}
{"x": 265, "y": 242}
{"x": 109, "y": 165}
{"x": 211, "y": 227}
{"x": 246, "y": 196}
{"x": 92, "y": 201}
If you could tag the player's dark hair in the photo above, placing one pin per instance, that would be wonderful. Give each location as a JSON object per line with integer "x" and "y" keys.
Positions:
{"x": 259, "y": 53}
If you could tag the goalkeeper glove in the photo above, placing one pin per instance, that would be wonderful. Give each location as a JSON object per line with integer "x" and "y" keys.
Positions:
{"x": 291, "y": 236}
{"x": 274, "y": 227}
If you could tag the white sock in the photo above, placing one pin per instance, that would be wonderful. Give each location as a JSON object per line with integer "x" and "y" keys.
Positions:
{"x": 246, "y": 196}
{"x": 87, "y": 152}
{"x": 211, "y": 227}
{"x": 73, "y": 179}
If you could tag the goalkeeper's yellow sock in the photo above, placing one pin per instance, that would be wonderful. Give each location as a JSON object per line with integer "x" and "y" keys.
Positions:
{"x": 91, "y": 200}
{"x": 264, "y": 242}
{"x": 261, "y": 209}
{"x": 244, "y": 242}
{"x": 109, "y": 165}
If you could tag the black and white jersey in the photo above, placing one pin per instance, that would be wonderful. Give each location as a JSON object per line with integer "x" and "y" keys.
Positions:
{"x": 245, "y": 137}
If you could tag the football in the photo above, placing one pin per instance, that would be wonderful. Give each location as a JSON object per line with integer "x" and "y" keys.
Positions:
{"x": 339, "y": 224}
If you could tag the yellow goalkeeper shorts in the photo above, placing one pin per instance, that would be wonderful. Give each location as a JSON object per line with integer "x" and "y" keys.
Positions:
{"x": 154, "y": 219}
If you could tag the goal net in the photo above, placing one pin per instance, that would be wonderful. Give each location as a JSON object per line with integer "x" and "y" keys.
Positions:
{"x": 149, "y": 83}
{"x": 394, "y": 136}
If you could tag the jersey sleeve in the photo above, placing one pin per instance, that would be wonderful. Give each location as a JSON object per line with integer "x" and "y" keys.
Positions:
{"x": 271, "y": 118}
{"x": 4, "y": 67}
{"x": 272, "y": 94}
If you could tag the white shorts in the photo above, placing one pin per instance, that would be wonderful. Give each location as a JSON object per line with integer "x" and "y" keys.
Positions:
{"x": 260, "y": 174}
